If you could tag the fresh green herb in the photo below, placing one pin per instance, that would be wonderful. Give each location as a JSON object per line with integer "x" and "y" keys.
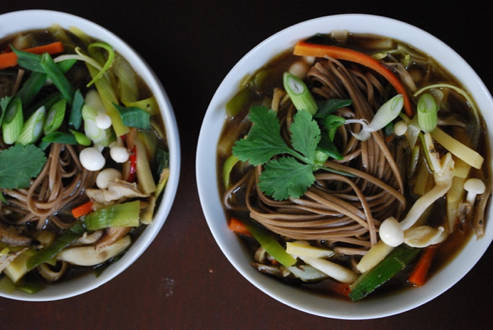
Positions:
{"x": 33, "y": 127}
{"x": 3, "y": 199}
{"x": 327, "y": 147}
{"x": 18, "y": 164}
{"x": 299, "y": 93}
{"x": 55, "y": 117}
{"x": 13, "y": 121}
{"x": 66, "y": 65}
{"x": 288, "y": 176}
{"x": 55, "y": 74}
{"x": 57, "y": 137}
{"x": 329, "y": 106}
{"x": 29, "y": 61}
{"x": 76, "y": 113}
{"x": 134, "y": 117}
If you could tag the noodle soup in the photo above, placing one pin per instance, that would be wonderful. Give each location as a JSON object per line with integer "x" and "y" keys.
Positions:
{"x": 349, "y": 162}
{"x": 84, "y": 157}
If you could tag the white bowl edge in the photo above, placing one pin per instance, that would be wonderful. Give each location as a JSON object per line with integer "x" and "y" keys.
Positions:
{"x": 23, "y": 20}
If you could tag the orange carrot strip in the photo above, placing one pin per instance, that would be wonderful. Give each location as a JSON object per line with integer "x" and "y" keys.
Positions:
{"x": 9, "y": 59}
{"x": 238, "y": 227}
{"x": 418, "y": 276}
{"x": 342, "y": 289}
{"x": 82, "y": 210}
{"x": 304, "y": 48}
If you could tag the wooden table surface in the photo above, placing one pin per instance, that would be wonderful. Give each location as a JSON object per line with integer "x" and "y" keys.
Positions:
{"x": 183, "y": 281}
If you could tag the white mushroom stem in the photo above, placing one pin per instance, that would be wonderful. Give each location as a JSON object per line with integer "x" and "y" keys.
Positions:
{"x": 473, "y": 187}
{"x": 392, "y": 232}
{"x": 332, "y": 269}
{"x": 106, "y": 176}
{"x": 90, "y": 256}
{"x": 87, "y": 239}
{"x": 400, "y": 128}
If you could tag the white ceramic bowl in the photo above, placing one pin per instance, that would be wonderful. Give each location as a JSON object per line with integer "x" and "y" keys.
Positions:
{"x": 207, "y": 181}
{"x": 37, "y": 19}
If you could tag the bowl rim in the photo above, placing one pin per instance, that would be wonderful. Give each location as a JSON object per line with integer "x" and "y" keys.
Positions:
{"x": 89, "y": 282}
{"x": 204, "y": 189}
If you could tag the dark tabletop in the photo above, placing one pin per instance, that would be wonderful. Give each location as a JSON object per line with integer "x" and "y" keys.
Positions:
{"x": 183, "y": 281}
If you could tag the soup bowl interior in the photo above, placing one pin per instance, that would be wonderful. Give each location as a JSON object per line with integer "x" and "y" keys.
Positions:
{"x": 231, "y": 246}
{"x": 14, "y": 22}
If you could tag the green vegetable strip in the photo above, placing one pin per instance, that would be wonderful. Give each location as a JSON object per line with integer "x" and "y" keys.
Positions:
{"x": 13, "y": 122}
{"x": 29, "y": 61}
{"x": 55, "y": 117}
{"x": 57, "y": 137}
{"x": 80, "y": 138}
{"x": 33, "y": 127}
{"x": 271, "y": 245}
{"x": 396, "y": 261}
{"x": 109, "y": 61}
{"x": 239, "y": 102}
{"x": 30, "y": 287}
{"x": 118, "y": 215}
{"x": 50, "y": 252}
{"x": 299, "y": 93}
{"x": 35, "y": 83}
{"x": 108, "y": 98}
{"x": 135, "y": 117}
{"x": 427, "y": 112}
{"x": 227, "y": 168}
{"x": 31, "y": 88}
{"x": 55, "y": 74}
{"x": 76, "y": 113}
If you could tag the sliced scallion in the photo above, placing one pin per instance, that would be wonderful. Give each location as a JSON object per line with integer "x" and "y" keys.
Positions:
{"x": 299, "y": 93}
{"x": 387, "y": 113}
{"x": 55, "y": 74}
{"x": 55, "y": 117}
{"x": 57, "y": 137}
{"x": 81, "y": 138}
{"x": 33, "y": 127}
{"x": 13, "y": 121}
{"x": 76, "y": 112}
{"x": 427, "y": 112}
{"x": 29, "y": 61}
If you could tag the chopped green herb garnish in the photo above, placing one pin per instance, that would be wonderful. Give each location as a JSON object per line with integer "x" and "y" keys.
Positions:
{"x": 76, "y": 113}
{"x": 18, "y": 164}
{"x": 329, "y": 106}
{"x": 57, "y": 137}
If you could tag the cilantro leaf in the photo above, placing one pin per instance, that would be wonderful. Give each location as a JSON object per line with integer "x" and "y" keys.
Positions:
{"x": 286, "y": 177}
{"x": 305, "y": 135}
{"x": 264, "y": 140}
{"x": 18, "y": 164}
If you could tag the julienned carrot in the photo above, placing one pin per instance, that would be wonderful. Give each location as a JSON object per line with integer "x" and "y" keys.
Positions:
{"x": 418, "y": 276}
{"x": 10, "y": 59}
{"x": 304, "y": 48}
{"x": 82, "y": 210}
{"x": 238, "y": 227}
{"x": 342, "y": 289}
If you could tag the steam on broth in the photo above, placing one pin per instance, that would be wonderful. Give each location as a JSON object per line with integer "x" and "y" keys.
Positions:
{"x": 352, "y": 164}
